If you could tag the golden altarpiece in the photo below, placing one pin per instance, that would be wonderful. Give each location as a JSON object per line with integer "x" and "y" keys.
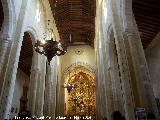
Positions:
{"x": 81, "y": 100}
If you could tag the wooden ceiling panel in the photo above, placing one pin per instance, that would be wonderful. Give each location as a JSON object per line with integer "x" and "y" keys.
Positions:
{"x": 75, "y": 17}
{"x": 147, "y": 15}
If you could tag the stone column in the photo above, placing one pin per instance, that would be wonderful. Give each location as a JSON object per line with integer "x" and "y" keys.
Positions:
{"x": 60, "y": 94}
{"x": 50, "y": 91}
{"x": 53, "y": 87}
{"x": 48, "y": 95}
{"x": 122, "y": 61}
{"x": 34, "y": 79}
{"x": 40, "y": 88}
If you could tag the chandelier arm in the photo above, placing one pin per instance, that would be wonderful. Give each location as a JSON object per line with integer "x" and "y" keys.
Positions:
{"x": 50, "y": 47}
{"x": 40, "y": 52}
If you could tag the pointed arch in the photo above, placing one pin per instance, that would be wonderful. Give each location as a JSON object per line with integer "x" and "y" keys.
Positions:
{"x": 9, "y": 18}
{"x": 72, "y": 66}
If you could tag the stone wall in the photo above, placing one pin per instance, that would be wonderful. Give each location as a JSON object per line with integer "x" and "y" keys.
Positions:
{"x": 81, "y": 53}
{"x": 153, "y": 59}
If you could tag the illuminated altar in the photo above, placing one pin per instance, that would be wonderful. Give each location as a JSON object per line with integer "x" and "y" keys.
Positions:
{"x": 81, "y": 100}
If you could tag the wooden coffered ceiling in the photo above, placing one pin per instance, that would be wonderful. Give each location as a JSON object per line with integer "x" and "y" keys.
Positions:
{"x": 75, "y": 17}
{"x": 147, "y": 15}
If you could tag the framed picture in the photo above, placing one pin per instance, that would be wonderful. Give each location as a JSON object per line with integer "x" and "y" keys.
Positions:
{"x": 140, "y": 114}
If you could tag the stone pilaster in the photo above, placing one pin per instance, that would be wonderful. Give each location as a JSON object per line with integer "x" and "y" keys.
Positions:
{"x": 115, "y": 78}
{"x": 98, "y": 92}
{"x": 34, "y": 81}
{"x": 122, "y": 61}
{"x": 38, "y": 94}
{"x": 106, "y": 76}
{"x": 5, "y": 45}
{"x": 98, "y": 83}
{"x": 104, "y": 95}
{"x": 50, "y": 90}
{"x": 103, "y": 82}
{"x": 101, "y": 89}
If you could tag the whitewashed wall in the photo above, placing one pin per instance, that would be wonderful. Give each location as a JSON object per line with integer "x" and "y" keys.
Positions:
{"x": 87, "y": 56}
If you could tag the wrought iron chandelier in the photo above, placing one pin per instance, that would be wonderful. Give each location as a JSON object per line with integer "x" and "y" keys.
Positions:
{"x": 69, "y": 86}
{"x": 51, "y": 47}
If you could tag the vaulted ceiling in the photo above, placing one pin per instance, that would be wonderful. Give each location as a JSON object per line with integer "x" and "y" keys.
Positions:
{"x": 75, "y": 19}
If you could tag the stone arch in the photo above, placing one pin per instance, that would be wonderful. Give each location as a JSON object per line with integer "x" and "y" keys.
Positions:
{"x": 26, "y": 50}
{"x": 33, "y": 33}
{"x": 72, "y": 66}
{"x": 9, "y": 18}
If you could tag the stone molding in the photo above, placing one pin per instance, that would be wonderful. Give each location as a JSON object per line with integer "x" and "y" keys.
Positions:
{"x": 84, "y": 64}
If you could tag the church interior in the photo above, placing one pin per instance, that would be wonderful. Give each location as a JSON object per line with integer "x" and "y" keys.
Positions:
{"x": 80, "y": 59}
